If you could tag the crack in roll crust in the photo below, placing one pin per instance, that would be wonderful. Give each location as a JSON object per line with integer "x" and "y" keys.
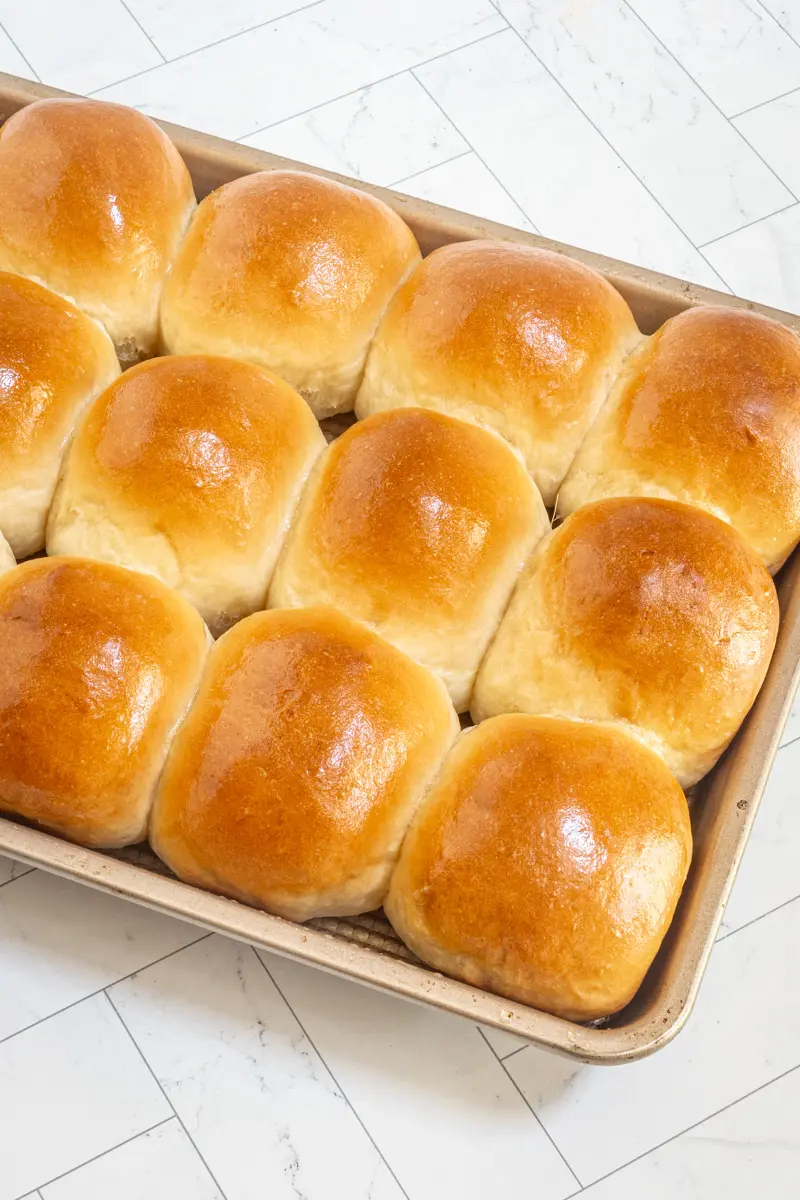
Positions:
{"x": 292, "y": 782}
{"x": 189, "y": 468}
{"x": 94, "y": 200}
{"x": 54, "y": 360}
{"x": 706, "y": 412}
{"x": 99, "y": 665}
{"x": 545, "y": 864}
{"x": 417, "y": 524}
{"x": 645, "y": 613}
{"x": 290, "y": 271}
{"x": 524, "y": 341}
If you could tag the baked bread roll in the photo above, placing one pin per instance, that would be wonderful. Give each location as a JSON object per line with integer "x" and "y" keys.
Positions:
{"x": 189, "y": 469}
{"x": 706, "y": 412}
{"x": 98, "y": 668}
{"x": 292, "y": 782}
{"x": 545, "y": 865}
{"x": 417, "y": 524}
{"x": 94, "y": 201}
{"x": 290, "y": 271}
{"x": 523, "y": 341}
{"x": 646, "y": 614}
{"x": 53, "y": 361}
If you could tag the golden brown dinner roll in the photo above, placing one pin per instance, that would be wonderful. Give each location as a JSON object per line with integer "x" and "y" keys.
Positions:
{"x": 189, "y": 469}
{"x": 643, "y": 613}
{"x": 418, "y": 524}
{"x": 545, "y": 864}
{"x": 53, "y": 361}
{"x": 98, "y": 667}
{"x": 707, "y": 412}
{"x": 94, "y": 200}
{"x": 293, "y": 780}
{"x": 521, "y": 340}
{"x": 291, "y": 271}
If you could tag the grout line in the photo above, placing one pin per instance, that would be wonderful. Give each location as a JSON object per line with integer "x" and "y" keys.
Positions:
{"x": 188, "y": 53}
{"x": 614, "y": 150}
{"x": 587, "y": 1190}
{"x": 534, "y": 1114}
{"x": 97, "y": 991}
{"x": 791, "y": 742}
{"x": 702, "y": 90}
{"x": 747, "y": 225}
{"x": 384, "y": 79}
{"x": 316, "y": 1050}
{"x": 480, "y": 157}
{"x": 159, "y": 1085}
{"x": 19, "y": 52}
{"x": 771, "y": 17}
{"x": 415, "y": 174}
{"x": 731, "y": 932}
{"x": 21, "y": 875}
{"x": 144, "y": 31}
{"x": 95, "y": 1157}
{"x": 764, "y": 103}
{"x": 511, "y": 1053}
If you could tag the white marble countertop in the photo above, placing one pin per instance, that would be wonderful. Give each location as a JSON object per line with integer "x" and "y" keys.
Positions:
{"x": 140, "y": 1060}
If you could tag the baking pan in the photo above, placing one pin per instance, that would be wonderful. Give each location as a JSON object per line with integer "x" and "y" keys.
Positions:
{"x": 365, "y": 948}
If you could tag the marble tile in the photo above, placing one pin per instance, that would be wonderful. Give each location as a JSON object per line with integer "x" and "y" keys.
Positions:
{"x": 467, "y": 184}
{"x": 381, "y": 133}
{"x": 181, "y": 26}
{"x": 750, "y": 1149}
{"x": 11, "y": 60}
{"x": 786, "y": 13}
{"x": 791, "y": 731}
{"x": 251, "y": 1090}
{"x": 762, "y": 262}
{"x": 60, "y": 942}
{"x": 501, "y": 1042}
{"x": 11, "y": 869}
{"x": 70, "y": 1088}
{"x": 422, "y": 1078}
{"x": 744, "y": 1032}
{"x": 520, "y": 120}
{"x": 664, "y": 127}
{"x": 768, "y": 875}
{"x": 159, "y": 1165}
{"x": 314, "y": 56}
{"x": 735, "y": 51}
{"x": 774, "y": 130}
{"x": 79, "y": 46}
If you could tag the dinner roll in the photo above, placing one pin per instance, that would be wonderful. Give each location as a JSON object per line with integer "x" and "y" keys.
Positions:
{"x": 545, "y": 864}
{"x": 293, "y": 780}
{"x": 293, "y": 272}
{"x": 707, "y": 412}
{"x": 647, "y": 614}
{"x": 98, "y": 667}
{"x": 417, "y": 524}
{"x": 189, "y": 469}
{"x": 53, "y": 361}
{"x": 94, "y": 200}
{"x": 521, "y": 340}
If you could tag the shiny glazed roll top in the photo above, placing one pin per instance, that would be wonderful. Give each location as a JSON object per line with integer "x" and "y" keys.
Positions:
{"x": 545, "y": 864}
{"x": 307, "y": 751}
{"x": 418, "y": 524}
{"x": 94, "y": 201}
{"x": 98, "y": 667}
{"x": 647, "y": 614}
{"x": 290, "y": 271}
{"x": 523, "y": 341}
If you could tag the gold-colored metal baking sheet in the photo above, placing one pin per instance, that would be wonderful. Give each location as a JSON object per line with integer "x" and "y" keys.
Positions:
{"x": 365, "y": 948}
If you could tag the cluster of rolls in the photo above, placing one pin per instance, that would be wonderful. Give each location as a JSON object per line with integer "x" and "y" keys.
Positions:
{"x": 311, "y": 760}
